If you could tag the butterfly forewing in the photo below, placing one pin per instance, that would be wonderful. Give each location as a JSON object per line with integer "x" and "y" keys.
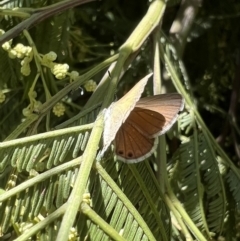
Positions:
{"x": 146, "y": 121}
{"x": 168, "y": 105}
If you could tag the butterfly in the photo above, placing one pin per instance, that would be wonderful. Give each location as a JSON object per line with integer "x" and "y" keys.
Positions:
{"x": 133, "y": 124}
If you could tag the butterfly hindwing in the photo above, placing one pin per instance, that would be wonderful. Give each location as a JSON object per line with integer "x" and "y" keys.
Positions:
{"x": 131, "y": 145}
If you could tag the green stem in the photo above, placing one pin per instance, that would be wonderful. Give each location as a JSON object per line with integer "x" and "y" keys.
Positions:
{"x": 184, "y": 229}
{"x": 172, "y": 200}
{"x": 39, "y": 178}
{"x": 112, "y": 233}
{"x": 146, "y": 26}
{"x": 14, "y": 13}
{"x": 45, "y": 136}
{"x": 79, "y": 187}
{"x": 198, "y": 178}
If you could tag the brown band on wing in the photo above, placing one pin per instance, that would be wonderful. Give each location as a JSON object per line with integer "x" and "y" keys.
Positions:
{"x": 167, "y": 105}
{"x": 130, "y": 144}
{"x": 147, "y": 122}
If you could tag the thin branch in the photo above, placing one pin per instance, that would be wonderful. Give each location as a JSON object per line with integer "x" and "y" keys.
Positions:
{"x": 39, "y": 15}
{"x": 183, "y": 23}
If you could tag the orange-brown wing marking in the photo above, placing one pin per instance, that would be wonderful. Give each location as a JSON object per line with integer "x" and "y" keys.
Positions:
{"x": 130, "y": 144}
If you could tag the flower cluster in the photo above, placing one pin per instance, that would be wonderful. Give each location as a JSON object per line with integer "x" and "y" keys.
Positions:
{"x": 59, "y": 109}
{"x": 90, "y": 86}
{"x": 21, "y": 52}
{"x": 59, "y": 70}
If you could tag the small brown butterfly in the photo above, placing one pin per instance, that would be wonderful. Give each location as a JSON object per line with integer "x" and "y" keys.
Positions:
{"x": 134, "y": 124}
